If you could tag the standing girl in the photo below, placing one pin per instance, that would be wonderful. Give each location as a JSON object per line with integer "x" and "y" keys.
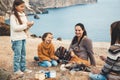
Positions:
{"x": 19, "y": 24}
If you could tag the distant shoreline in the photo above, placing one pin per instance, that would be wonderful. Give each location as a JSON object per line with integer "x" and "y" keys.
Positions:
{"x": 57, "y": 43}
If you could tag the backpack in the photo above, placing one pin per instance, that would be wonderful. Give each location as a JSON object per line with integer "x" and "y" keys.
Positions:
{"x": 63, "y": 55}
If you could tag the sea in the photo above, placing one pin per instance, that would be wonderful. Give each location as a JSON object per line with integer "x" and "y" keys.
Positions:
{"x": 96, "y": 18}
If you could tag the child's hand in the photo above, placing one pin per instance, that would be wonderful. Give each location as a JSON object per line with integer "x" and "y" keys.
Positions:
{"x": 29, "y": 24}
{"x": 94, "y": 70}
{"x": 102, "y": 58}
{"x": 56, "y": 58}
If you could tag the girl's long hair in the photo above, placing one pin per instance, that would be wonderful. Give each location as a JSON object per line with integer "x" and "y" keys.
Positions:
{"x": 115, "y": 32}
{"x": 75, "y": 39}
{"x": 17, "y": 3}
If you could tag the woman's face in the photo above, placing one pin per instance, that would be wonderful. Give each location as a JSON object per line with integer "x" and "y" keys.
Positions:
{"x": 78, "y": 31}
{"x": 48, "y": 39}
{"x": 20, "y": 8}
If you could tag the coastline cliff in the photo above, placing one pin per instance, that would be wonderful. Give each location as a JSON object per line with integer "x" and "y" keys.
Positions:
{"x": 6, "y": 5}
{"x": 59, "y": 3}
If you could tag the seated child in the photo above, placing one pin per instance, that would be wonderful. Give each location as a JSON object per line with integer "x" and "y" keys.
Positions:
{"x": 112, "y": 62}
{"x": 46, "y": 51}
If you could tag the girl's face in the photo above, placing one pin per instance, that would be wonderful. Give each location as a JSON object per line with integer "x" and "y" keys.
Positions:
{"x": 78, "y": 31}
{"x": 20, "y": 8}
{"x": 48, "y": 39}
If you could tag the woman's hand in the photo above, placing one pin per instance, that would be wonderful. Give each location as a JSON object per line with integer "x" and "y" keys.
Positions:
{"x": 72, "y": 53}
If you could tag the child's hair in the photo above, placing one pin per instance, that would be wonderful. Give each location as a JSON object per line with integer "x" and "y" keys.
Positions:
{"x": 115, "y": 32}
{"x": 17, "y": 3}
{"x": 45, "y": 35}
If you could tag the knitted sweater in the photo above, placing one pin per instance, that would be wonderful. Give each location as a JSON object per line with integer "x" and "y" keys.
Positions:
{"x": 17, "y": 30}
{"x": 112, "y": 64}
{"x": 46, "y": 51}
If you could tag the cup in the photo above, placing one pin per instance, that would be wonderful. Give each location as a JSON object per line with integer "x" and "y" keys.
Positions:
{"x": 52, "y": 74}
{"x": 47, "y": 74}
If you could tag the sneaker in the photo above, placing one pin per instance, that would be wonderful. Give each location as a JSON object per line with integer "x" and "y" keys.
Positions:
{"x": 27, "y": 71}
{"x": 18, "y": 72}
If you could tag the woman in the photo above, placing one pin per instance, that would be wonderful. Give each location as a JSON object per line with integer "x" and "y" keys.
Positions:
{"x": 46, "y": 51}
{"x": 19, "y": 25}
{"x": 112, "y": 62}
{"x": 81, "y": 47}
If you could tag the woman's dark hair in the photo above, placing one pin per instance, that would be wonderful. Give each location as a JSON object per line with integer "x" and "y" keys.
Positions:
{"x": 45, "y": 35}
{"x": 75, "y": 39}
{"x": 17, "y": 3}
{"x": 115, "y": 32}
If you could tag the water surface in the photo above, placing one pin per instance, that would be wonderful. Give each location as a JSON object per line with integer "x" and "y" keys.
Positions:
{"x": 96, "y": 18}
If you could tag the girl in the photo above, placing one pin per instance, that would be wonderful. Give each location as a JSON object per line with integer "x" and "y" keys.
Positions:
{"x": 112, "y": 62}
{"x": 46, "y": 51}
{"x": 19, "y": 24}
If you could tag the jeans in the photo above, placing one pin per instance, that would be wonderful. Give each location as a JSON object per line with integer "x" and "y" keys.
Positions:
{"x": 46, "y": 63}
{"x": 19, "y": 50}
{"x": 97, "y": 77}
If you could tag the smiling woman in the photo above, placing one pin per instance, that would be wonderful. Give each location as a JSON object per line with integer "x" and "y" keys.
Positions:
{"x": 81, "y": 45}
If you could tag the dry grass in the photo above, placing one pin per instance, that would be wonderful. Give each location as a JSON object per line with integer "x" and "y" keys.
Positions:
{"x": 6, "y": 58}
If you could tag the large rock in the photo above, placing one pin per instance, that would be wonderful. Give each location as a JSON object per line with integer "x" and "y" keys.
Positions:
{"x": 4, "y": 29}
{"x": 59, "y": 3}
{"x": 4, "y": 75}
{"x": 5, "y": 6}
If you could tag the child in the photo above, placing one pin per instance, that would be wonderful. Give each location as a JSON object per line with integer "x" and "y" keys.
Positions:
{"x": 19, "y": 24}
{"x": 46, "y": 51}
{"x": 112, "y": 62}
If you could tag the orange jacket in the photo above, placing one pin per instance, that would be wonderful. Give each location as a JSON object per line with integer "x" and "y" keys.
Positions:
{"x": 46, "y": 51}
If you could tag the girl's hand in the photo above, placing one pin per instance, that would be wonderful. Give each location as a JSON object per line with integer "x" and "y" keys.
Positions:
{"x": 29, "y": 24}
{"x": 94, "y": 70}
{"x": 56, "y": 58}
{"x": 102, "y": 58}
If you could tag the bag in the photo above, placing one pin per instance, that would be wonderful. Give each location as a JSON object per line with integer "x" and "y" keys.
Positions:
{"x": 63, "y": 55}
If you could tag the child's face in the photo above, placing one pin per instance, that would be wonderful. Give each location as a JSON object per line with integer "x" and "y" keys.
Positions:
{"x": 48, "y": 39}
{"x": 20, "y": 8}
